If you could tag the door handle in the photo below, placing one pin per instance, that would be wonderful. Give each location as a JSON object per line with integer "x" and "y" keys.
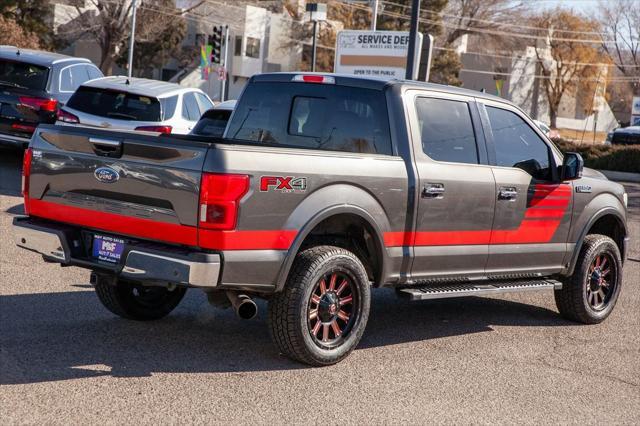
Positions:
{"x": 433, "y": 190}
{"x": 508, "y": 193}
{"x": 106, "y": 147}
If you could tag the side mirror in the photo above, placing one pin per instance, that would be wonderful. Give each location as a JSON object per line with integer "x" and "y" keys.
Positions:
{"x": 572, "y": 166}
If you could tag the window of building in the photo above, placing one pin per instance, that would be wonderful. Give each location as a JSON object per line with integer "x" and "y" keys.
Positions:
{"x": 253, "y": 47}
{"x": 238, "y": 46}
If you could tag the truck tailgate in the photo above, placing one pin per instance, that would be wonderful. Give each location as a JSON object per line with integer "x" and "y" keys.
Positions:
{"x": 127, "y": 183}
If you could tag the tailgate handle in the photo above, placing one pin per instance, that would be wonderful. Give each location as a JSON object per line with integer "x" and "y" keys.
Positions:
{"x": 106, "y": 147}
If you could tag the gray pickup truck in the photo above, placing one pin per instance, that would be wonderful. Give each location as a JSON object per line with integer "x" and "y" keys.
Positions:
{"x": 323, "y": 187}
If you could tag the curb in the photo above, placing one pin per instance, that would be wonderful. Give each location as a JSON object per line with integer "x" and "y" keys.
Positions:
{"x": 621, "y": 176}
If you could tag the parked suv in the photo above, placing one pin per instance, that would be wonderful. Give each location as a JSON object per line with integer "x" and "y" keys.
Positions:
{"x": 136, "y": 104}
{"x": 324, "y": 187}
{"x": 33, "y": 85}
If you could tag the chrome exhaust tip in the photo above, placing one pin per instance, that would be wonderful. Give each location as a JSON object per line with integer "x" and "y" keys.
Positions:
{"x": 244, "y": 305}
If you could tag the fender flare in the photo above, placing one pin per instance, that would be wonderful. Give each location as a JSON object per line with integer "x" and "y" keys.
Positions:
{"x": 594, "y": 218}
{"x": 319, "y": 217}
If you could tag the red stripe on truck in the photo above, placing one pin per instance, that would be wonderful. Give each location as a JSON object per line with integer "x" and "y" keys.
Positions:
{"x": 117, "y": 223}
{"x": 247, "y": 240}
{"x": 162, "y": 231}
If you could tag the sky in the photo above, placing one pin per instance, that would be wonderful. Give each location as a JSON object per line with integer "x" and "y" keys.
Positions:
{"x": 585, "y": 6}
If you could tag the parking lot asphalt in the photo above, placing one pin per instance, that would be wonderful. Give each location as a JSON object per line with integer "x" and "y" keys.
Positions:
{"x": 512, "y": 359}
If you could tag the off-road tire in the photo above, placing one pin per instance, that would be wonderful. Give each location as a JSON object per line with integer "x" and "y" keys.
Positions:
{"x": 571, "y": 300}
{"x": 135, "y": 302}
{"x": 288, "y": 309}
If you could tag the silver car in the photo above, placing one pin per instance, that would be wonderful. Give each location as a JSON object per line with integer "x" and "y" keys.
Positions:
{"x": 135, "y": 104}
{"x": 214, "y": 122}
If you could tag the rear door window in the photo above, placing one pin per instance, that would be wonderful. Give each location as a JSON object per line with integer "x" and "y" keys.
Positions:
{"x": 72, "y": 77}
{"x": 204, "y": 103}
{"x": 115, "y": 104}
{"x": 446, "y": 130}
{"x": 168, "y": 106}
{"x": 24, "y": 75}
{"x": 93, "y": 72}
{"x": 313, "y": 116}
{"x": 190, "y": 110}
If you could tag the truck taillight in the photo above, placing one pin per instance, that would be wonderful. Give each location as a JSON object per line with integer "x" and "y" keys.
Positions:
{"x": 314, "y": 78}
{"x": 26, "y": 174}
{"x": 219, "y": 199}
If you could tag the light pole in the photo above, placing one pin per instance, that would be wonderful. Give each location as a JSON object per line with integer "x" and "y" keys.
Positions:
{"x": 374, "y": 14}
{"x": 413, "y": 35}
{"x": 316, "y": 12}
{"x": 132, "y": 38}
{"x": 225, "y": 65}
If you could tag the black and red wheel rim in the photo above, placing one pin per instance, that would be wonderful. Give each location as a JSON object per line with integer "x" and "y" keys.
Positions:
{"x": 333, "y": 309}
{"x": 602, "y": 278}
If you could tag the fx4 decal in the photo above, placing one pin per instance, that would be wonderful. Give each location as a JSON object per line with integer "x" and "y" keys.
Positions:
{"x": 283, "y": 183}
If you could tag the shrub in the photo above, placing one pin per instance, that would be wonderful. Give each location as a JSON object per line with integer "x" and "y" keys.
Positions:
{"x": 618, "y": 158}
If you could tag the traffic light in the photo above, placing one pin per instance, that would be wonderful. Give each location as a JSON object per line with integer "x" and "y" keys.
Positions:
{"x": 216, "y": 44}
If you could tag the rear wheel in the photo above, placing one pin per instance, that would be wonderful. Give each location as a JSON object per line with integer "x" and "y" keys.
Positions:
{"x": 134, "y": 301}
{"x": 321, "y": 314}
{"x": 590, "y": 294}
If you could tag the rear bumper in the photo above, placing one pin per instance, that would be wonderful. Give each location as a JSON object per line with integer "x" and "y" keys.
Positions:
{"x": 16, "y": 141}
{"x": 142, "y": 262}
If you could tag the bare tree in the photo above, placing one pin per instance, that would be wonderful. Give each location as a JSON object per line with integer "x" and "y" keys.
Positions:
{"x": 477, "y": 16}
{"x": 108, "y": 23}
{"x": 620, "y": 23}
{"x": 565, "y": 58}
{"x": 13, "y": 34}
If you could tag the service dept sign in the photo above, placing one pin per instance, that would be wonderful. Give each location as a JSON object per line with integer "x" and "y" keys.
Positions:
{"x": 380, "y": 54}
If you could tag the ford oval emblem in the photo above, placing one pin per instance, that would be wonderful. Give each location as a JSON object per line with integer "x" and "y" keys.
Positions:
{"x": 106, "y": 175}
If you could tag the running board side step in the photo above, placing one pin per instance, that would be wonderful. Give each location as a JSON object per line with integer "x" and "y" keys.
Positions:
{"x": 444, "y": 291}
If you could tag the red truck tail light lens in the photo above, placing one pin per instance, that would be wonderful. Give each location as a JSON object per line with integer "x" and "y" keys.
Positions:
{"x": 314, "y": 78}
{"x": 219, "y": 199}
{"x": 66, "y": 117}
{"x": 159, "y": 129}
{"x": 26, "y": 174}
{"x": 39, "y": 104}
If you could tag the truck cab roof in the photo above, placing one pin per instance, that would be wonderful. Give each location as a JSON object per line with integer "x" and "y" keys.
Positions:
{"x": 374, "y": 83}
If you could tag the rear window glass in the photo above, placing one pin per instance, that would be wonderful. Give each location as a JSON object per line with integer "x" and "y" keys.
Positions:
{"x": 212, "y": 123}
{"x": 115, "y": 104}
{"x": 168, "y": 106}
{"x": 313, "y": 116}
{"x": 22, "y": 74}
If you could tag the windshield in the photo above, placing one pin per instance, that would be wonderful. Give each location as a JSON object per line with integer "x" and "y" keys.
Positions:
{"x": 23, "y": 75}
{"x": 115, "y": 104}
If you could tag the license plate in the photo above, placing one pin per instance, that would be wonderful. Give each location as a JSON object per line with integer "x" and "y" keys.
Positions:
{"x": 107, "y": 249}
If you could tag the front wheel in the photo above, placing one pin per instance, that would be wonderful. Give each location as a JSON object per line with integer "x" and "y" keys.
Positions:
{"x": 590, "y": 294}
{"x": 135, "y": 301}
{"x": 320, "y": 315}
